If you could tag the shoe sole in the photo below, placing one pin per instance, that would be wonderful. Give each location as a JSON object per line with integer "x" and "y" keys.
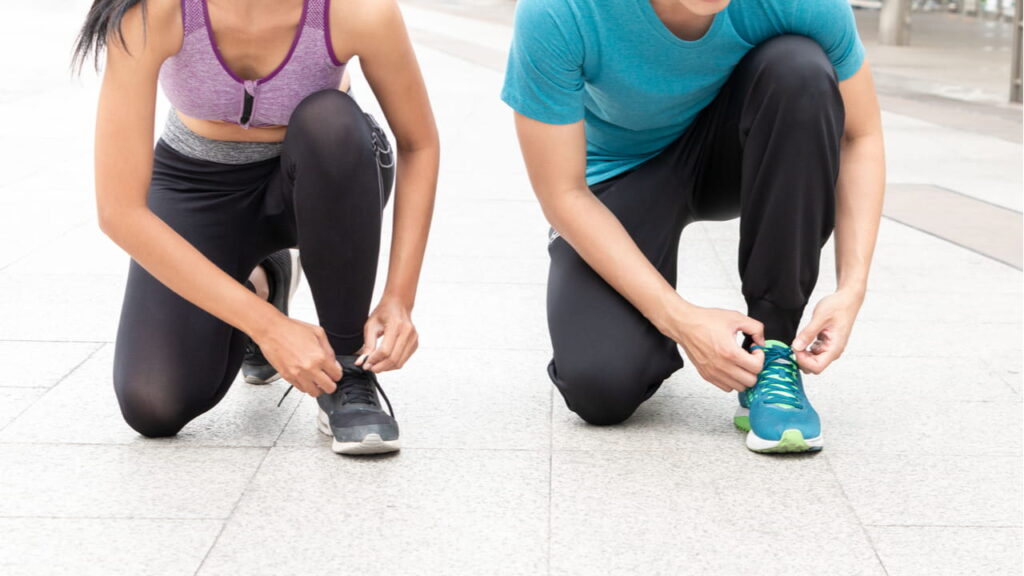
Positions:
{"x": 792, "y": 441}
{"x": 293, "y": 255}
{"x": 371, "y": 444}
{"x": 260, "y": 381}
{"x": 741, "y": 419}
{"x": 296, "y": 274}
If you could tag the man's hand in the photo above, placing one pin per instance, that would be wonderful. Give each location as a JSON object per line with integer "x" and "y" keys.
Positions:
{"x": 823, "y": 340}
{"x": 709, "y": 337}
{"x": 391, "y": 322}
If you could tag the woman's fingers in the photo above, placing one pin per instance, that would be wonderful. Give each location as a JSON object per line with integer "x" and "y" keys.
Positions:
{"x": 383, "y": 350}
{"x": 371, "y": 332}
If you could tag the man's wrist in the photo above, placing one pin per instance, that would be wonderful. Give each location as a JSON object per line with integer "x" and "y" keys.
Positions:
{"x": 669, "y": 310}
{"x": 855, "y": 290}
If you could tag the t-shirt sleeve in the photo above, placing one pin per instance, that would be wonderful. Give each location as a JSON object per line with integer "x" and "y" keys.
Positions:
{"x": 831, "y": 24}
{"x": 544, "y": 76}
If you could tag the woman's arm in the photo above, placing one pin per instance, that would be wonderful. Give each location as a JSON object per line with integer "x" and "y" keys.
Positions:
{"x": 386, "y": 56}
{"x": 859, "y": 196}
{"x": 555, "y": 157}
{"x": 124, "y": 162}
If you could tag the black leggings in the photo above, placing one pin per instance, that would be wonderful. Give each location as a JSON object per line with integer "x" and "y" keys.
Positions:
{"x": 325, "y": 194}
{"x": 766, "y": 150}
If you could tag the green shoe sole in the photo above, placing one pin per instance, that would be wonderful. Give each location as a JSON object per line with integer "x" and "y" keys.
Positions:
{"x": 741, "y": 419}
{"x": 792, "y": 441}
{"x": 742, "y": 423}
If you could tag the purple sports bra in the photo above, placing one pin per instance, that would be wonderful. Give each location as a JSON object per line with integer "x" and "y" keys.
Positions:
{"x": 200, "y": 84}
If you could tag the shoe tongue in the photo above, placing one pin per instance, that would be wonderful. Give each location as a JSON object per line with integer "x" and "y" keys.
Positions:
{"x": 783, "y": 354}
{"x": 358, "y": 382}
{"x": 348, "y": 364}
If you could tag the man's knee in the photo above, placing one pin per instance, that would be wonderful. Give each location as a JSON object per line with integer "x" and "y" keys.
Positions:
{"x": 796, "y": 70}
{"x": 602, "y": 393}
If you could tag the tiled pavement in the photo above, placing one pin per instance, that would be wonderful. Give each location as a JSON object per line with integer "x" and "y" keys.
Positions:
{"x": 921, "y": 473}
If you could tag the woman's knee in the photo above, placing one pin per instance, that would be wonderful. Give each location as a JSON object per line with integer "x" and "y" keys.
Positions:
{"x": 153, "y": 409}
{"x": 327, "y": 121}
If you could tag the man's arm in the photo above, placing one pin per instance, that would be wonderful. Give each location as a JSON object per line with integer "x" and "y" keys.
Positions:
{"x": 555, "y": 157}
{"x": 859, "y": 196}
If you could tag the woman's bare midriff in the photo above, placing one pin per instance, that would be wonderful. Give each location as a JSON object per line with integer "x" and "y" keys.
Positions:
{"x": 233, "y": 132}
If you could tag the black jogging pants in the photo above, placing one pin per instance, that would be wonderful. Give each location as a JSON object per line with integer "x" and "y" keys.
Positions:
{"x": 766, "y": 150}
{"x": 325, "y": 194}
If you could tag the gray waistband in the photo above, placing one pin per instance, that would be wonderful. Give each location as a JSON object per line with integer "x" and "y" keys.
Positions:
{"x": 179, "y": 137}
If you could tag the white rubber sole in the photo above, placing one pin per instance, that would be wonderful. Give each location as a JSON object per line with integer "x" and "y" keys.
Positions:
{"x": 371, "y": 444}
{"x": 296, "y": 274}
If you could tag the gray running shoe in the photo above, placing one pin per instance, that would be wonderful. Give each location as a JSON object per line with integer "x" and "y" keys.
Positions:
{"x": 353, "y": 416}
{"x": 283, "y": 274}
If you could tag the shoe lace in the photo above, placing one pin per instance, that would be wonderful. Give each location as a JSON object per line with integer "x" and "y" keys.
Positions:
{"x": 357, "y": 388}
{"x": 779, "y": 381}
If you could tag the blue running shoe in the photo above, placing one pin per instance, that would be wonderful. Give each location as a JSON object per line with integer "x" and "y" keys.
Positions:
{"x": 779, "y": 418}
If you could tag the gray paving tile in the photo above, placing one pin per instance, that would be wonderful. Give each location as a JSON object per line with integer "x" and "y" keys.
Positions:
{"x": 1012, "y": 377}
{"x": 14, "y": 401}
{"x": 940, "y": 308}
{"x": 482, "y": 316}
{"x": 419, "y": 512}
{"x": 84, "y": 547}
{"x": 82, "y": 250}
{"x": 727, "y": 298}
{"x": 77, "y": 307}
{"x": 88, "y": 411}
{"x": 149, "y": 481}
{"x": 948, "y": 551}
{"x": 530, "y": 268}
{"x": 893, "y": 233}
{"x": 994, "y": 278}
{"x": 926, "y": 426}
{"x": 40, "y": 364}
{"x": 996, "y": 342}
{"x": 663, "y": 423}
{"x": 700, "y": 266}
{"x": 469, "y": 399}
{"x": 931, "y": 489}
{"x": 490, "y": 228}
{"x": 907, "y": 381}
{"x": 678, "y": 512}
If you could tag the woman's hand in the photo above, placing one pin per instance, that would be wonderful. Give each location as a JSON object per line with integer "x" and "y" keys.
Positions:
{"x": 709, "y": 337}
{"x": 828, "y": 332}
{"x": 301, "y": 354}
{"x": 391, "y": 323}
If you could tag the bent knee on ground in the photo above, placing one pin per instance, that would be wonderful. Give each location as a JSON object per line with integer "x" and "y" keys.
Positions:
{"x": 151, "y": 412}
{"x": 603, "y": 395}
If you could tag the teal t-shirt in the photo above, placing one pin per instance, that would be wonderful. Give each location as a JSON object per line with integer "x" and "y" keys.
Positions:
{"x": 637, "y": 86}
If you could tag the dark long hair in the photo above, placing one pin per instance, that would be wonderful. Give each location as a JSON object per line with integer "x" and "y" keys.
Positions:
{"x": 102, "y": 24}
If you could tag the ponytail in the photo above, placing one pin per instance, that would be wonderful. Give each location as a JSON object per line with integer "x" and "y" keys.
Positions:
{"x": 103, "y": 21}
